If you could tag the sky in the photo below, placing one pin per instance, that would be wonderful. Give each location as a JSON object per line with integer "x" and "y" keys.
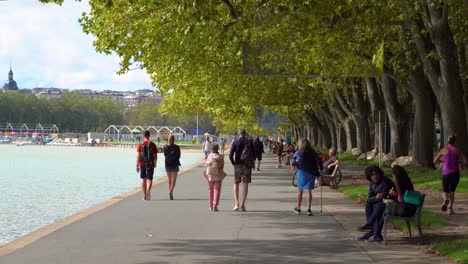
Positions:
{"x": 47, "y": 48}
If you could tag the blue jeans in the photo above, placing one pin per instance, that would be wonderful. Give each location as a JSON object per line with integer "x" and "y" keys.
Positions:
{"x": 374, "y": 214}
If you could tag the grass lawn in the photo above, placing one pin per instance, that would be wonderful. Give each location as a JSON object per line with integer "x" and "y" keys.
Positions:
{"x": 457, "y": 249}
{"x": 420, "y": 176}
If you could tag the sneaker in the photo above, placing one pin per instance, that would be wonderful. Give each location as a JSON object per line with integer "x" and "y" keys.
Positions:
{"x": 171, "y": 196}
{"x": 211, "y": 208}
{"x": 450, "y": 211}
{"x": 374, "y": 239}
{"x": 309, "y": 212}
{"x": 243, "y": 209}
{"x": 215, "y": 209}
{"x": 148, "y": 196}
{"x": 258, "y": 169}
{"x": 297, "y": 210}
{"x": 366, "y": 236}
{"x": 365, "y": 227}
{"x": 236, "y": 208}
{"x": 444, "y": 205}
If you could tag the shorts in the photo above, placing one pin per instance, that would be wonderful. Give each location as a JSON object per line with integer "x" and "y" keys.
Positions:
{"x": 450, "y": 181}
{"x": 172, "y": 169}
{"x": 242, "y": 173}
{"x": 258, "y": 157}
{"x": 146, "y": 173}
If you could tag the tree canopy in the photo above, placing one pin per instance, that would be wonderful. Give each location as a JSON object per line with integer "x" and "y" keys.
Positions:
{"x": 330, "y": 66}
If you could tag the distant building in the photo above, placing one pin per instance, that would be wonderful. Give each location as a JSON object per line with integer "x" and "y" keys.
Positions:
{"x": 10, "y": 85}
{"x": 128, "y": 99}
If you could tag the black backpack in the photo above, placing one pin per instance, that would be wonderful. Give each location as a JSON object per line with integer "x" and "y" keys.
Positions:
{"x": 147, "y": 155}
{"x": 247, "y": 155}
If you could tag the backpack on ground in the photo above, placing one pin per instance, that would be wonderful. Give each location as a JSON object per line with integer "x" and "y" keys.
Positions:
{"x": 147, "y": 155}
{"x": 247, "y": 155}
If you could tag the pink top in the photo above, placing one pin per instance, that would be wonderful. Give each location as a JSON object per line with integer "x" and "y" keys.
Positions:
{"x": 214, "y": 167}
{"x": 450, "y": 161}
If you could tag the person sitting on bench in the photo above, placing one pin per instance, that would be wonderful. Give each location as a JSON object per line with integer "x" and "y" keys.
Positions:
{"x": 333, "y": 161}
{"x": 379, "y": 188}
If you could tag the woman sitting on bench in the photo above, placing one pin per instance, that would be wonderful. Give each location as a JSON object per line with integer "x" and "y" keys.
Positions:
{"x": 402, "y": 184}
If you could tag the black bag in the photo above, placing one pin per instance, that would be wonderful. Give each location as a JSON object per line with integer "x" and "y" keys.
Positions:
{"x": 147, "y": 155}
{"x": 247, "y": 155}
{"x": 396, "y": 209}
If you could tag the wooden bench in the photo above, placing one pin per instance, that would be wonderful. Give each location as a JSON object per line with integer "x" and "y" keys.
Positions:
{"x": 335, "y": 177}
{"x": 416, "y": 219}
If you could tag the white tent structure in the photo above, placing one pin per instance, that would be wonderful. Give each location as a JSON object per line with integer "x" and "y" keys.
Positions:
{"x": 124, "y": 131}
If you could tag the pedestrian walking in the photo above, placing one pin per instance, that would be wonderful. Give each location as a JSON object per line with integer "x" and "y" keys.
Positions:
{"x": 258, "y": 149}
{"x": 279, "y": 154}
{"x": 214, "y": 174}
{"x": 452, "y": 157}
{"x": 222, "y": 144}
{"x": 308, "y": 166}
{"x": 206, "y": 146}
{"x": 146, "y": 163}
{"x": 243, "y": 161}
{"x": 172, "y": 163}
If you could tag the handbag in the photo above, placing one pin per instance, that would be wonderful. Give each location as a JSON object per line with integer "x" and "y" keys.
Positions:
{"x": 412, "y": 197}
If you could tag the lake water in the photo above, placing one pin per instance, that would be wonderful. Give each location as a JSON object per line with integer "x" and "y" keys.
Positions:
{"x": 40, "y": 185}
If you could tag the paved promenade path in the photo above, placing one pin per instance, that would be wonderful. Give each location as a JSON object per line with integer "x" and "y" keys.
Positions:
{"x": 133, "y": 231}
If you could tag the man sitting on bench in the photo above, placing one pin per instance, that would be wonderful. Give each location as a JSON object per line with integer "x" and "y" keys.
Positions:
{"x": 330, "y": 164}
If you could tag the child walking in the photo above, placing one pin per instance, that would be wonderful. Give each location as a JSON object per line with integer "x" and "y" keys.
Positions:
{"x": 214, "y": 174}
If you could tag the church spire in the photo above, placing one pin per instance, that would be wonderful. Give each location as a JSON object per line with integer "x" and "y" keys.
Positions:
{"x": 10, "y": 75}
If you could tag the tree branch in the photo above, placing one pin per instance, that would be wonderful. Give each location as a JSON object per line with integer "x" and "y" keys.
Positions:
{"x": 231, "y": 9}
{"x": 236, "y": 17}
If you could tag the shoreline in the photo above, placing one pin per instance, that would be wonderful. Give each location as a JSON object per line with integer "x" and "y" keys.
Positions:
{"x": 35, "y": 235}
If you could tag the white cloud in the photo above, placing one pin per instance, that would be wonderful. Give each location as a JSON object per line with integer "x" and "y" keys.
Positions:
{"x": 47, "y": 46}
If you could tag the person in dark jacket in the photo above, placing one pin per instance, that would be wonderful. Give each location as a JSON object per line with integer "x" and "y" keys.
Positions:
{"x": 172, "y": 163}
{"x": 379, "y": 188}
{"x": 258, "y": 149}
{"x": 242, "y": 168}
{"x": 308, "y": 166}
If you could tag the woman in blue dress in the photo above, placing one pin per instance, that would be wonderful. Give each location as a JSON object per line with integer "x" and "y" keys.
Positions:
{"x": 308, "y": 166}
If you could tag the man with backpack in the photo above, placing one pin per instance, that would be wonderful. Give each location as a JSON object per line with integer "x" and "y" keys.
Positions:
{"x": 242, "y": 158}
{"x": 146, "y": 163}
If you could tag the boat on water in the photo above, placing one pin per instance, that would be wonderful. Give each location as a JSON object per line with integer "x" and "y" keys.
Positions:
{"x": 66, "y": 142}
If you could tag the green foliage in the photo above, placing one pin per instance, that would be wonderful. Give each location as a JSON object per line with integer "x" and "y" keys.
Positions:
{"x": 193, "y": 51}
{"x": 71, "y": 112}
{"x": 147, "y": 113}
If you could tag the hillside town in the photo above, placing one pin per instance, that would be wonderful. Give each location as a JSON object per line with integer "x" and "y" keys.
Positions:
{"x": 128, "y": 98}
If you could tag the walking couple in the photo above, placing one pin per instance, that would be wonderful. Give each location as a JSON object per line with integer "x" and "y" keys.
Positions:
{"x": 242, "y": 158}
{"x": 147, "y": 157}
